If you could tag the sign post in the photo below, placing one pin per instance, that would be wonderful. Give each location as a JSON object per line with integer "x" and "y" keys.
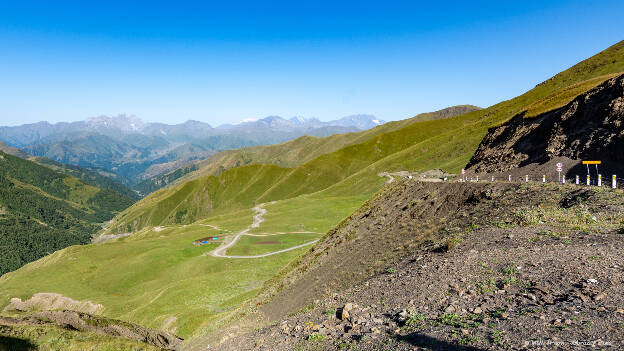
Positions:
{"x": 587, "y": 163}
{"x": 559, "y": 169}
{"x": 463, "y": 175}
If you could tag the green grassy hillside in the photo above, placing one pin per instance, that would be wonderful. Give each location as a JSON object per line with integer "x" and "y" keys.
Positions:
{"x": 87, "y": 175}
{"x": 303, "y": 149}
{"x": 42, "y": 211}
{"x": 234, "y": 189}
{"x": 419, "y": 145}
{"x": 246, "y": 185}
{"x": 157, "y": 273}
{"x": 13, "y": 151}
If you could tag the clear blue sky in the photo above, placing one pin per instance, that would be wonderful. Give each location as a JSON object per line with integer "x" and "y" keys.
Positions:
{"x": 225, "y": 61}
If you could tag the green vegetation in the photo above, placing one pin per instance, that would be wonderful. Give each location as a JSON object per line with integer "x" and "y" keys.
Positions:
{"x": 257, "y": 245}
{"x": 156, "y": 274}
{"x": 306, "y": 148}
{"x": 52, "y": 338}
{"x": 415, "y": 145}
{"x": 152, "y": 184}
{"x": 88, "y": 176}
{"x": 42, "y": 211}
{"x": 235, "y": 189}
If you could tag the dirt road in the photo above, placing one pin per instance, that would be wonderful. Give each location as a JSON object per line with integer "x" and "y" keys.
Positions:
{"x": 257, "y": 220}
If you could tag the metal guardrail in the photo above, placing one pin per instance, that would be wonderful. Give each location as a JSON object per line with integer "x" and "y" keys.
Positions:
{"x": 606, "y": 182}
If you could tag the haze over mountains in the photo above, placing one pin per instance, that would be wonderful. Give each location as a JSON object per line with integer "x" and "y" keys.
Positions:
{"x": 308, "y": 243}
{"x": 129, "y": 150}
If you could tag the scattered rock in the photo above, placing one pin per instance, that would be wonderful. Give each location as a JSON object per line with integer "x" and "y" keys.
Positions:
{"x": 599, "y": 296}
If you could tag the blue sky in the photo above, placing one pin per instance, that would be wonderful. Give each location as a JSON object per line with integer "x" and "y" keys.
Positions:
{"x": 226, "y": 61}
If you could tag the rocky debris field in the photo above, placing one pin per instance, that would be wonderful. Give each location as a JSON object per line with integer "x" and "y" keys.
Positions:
{"x": 542, "y": 277}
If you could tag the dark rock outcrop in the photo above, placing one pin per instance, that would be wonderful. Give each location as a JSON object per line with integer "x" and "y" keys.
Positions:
{"x": 589, "y": 127}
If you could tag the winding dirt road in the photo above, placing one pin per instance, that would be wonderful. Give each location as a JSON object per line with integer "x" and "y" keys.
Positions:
{"x": 257, "y": 219}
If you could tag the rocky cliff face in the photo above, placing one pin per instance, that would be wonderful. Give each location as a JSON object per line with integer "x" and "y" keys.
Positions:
{"x": 589, "y": 127}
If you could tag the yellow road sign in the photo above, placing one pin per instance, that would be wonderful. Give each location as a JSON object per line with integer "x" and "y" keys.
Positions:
{"x": 592, "y": 162}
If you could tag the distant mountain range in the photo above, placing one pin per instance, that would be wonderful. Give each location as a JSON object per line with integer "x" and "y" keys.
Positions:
{"x": 132, "y": 150}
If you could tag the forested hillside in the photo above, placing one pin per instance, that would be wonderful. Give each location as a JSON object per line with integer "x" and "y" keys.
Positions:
{"x": 42, "y": 211}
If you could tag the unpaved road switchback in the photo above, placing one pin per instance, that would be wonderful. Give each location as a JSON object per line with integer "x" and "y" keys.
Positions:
{"x": 257, "y": 220}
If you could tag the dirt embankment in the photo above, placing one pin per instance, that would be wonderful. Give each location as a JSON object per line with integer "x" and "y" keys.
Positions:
{"x": 73, "y": 320}
{"x": 591, "y": 127}
{"x": 457, "y": 267}
{"x": 51, "y": 301}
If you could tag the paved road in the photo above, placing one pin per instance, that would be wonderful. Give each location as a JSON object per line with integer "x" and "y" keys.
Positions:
{"x": 257, "y": 219}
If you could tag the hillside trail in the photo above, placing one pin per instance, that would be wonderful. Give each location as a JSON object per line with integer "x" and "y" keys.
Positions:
{"x": 258, "y": 218}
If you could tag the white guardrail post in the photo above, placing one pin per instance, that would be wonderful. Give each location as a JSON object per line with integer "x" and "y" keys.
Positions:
{"x": 526, "y": 178}
{"x": 588, "y": 180}
{"x": 563, "y": 179}
{"x": 614, "y": 182}
{"x": 544, "y": 179}
{"x": 577, "y": 180}
{"x": 600, "y": 180}
{"x": 510, "y": 178}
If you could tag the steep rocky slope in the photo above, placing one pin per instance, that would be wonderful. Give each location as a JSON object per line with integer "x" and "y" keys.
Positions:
{"x": 455, "y": 266}
{"x": 589, "y": 127}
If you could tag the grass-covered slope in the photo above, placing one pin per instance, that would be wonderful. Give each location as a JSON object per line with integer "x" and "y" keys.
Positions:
{"x": 12, "y": 150}
{"x": 42, "y": 211}
{"x": 303, "y": 149}
{"x": 88, "y": 176}
{"x": 452, "y": 148}
{"x": 248, "y": 183}
{"x": 157, "y": 273}
{"x": 92, "y": 177}
{"x": 421, "y": 144}
{"x": 159, "y": 278}
{"x": 237, "y": 188}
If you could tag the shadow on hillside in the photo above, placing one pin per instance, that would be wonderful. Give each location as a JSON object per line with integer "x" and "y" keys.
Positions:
{"x": 431, "y": 343}
{"x": 15, "y": 344}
